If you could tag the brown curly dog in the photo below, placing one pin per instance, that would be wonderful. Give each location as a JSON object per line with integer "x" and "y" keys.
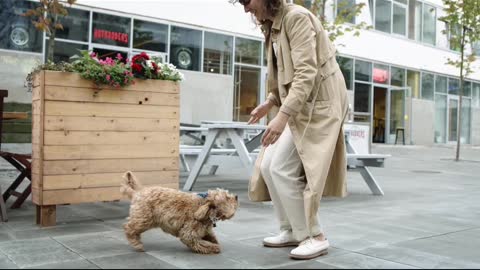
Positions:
{"x": 187, "y": 216}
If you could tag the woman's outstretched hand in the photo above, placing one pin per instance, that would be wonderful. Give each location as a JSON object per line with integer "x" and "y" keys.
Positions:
{"x": 275, "y": 129}
{"x": 259, "y": 112}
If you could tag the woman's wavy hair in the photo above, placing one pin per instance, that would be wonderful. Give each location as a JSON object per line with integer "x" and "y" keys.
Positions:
{"x": 271, "y": 6}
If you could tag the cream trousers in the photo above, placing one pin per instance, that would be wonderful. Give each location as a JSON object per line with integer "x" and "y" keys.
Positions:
{"x": 284, "y": 176}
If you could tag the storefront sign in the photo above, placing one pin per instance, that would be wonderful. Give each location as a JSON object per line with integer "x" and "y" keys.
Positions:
{"x": 358, "y": 137}
{"x": 115, "y": 36}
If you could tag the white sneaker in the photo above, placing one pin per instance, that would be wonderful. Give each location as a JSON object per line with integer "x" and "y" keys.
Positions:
{"x": 284, "y": 239}
{"x": 309, "y": 249}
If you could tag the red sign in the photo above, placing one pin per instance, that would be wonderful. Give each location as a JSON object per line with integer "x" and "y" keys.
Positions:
{"x": 115, "y": 36}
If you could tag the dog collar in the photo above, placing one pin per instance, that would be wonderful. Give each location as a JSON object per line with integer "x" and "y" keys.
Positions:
{"x": 203, "y": 195}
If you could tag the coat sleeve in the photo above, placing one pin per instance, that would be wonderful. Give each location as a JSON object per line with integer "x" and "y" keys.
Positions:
{"x": 302, "y": 38}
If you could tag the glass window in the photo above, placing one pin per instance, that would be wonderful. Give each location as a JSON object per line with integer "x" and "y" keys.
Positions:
{"x": 265, "y": 54}
{"x": 429, "y": 24}
{"x": 111, "y": 30}
{"x": 442, "y": 39}
{"x": 218, "y": 52}
{"x": 415, "y": 20}
{"x": 441, "y": 84}
{"x": 248, "y": 51}
{"x": 64, "y": 50}
{"x": 362, "y": 97}
{"x": 467, "y": 89}
{"x": 399, "y": 19}
{"x": 346, "y": 65}
{"x": 16, "y": 31}
{"x": 345, "y": 9}
{"x": 363, "y": 71}
{"x": 453, "y": 86}
{"x": 381, "y": 74}
{"x": 75, "y": 25}
{"x": 398, "y": 77}
{"x": 428, "y": 86}
{"x": 150, "y": 36}
{"x": 383, "y": 15}
{"x": 440, "y": 118}
{"x": 413, "y": 81}
{"x": 14, "y": 67}
{"x": 476, "y": 94}
{"x": 185, "y": 46}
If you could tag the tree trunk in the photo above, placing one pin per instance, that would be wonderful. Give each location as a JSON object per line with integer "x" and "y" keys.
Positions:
{"x": 51, "y": 41}
{"x": 460, "y": 99}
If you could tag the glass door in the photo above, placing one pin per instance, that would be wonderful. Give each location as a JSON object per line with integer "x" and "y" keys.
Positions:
{"x": 247, "y": 83}
{"x": 396, "y": 113}
{"x": 452, "y": 118}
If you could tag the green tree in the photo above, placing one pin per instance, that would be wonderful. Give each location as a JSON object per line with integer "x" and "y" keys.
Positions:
{"x": 47, "y": 18}
{"x": 463, "y": 20}
{"x": 347, "y": 11}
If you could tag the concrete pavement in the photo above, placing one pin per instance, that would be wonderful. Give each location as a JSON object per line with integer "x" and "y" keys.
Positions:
{"x": 428, "y": 218}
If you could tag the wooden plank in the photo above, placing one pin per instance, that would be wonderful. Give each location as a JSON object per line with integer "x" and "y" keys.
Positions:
{"x": 56, "y": 78}
{"x": 36, "y": 195}
{"x": 69, "y": 152}
{"x": 15, "y": 115}
{"x": 36, "y": 108}
{"x": 79, "y": 181}
{"x": 73, "y": 123}
{"x": 56, "y": 167}
{"x": 118, "y": 96}
{"x": 46, "y": 215}
{"x": 38, "y": 113}
{"x": 38, "y": 79}
{"x": 109, "y": 137}
{"x": 65, "y": 108}
{"x": 86, "y": 195}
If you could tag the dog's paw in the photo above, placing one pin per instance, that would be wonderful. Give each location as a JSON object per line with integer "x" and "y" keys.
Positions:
{"x": 139, "y": 248}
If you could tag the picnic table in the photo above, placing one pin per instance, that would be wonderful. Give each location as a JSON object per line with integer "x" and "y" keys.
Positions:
{"x": 232, "y": 130}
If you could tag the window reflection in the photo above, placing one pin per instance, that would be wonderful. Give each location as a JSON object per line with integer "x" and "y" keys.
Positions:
{"x": 247, "y": 51}
{"x": 218, "y": 51}
{"x": 247, "y": 83}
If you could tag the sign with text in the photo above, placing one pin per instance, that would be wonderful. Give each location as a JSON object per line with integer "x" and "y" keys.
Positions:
{"x": 358, "y": 136}
{"x": 115, "y": 36}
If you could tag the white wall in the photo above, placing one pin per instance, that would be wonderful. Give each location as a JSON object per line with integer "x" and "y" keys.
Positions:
{"x": 205, "y": 96}
{"x": 423, "y": 129}
{"x": 215, "y": 14}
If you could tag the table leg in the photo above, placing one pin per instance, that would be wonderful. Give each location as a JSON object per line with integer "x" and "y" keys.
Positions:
{"x": 241, "y": 148}
{"x": 370, "y": 180}
{"x": 197, "y": 167}
{"x": 46, "y": 215}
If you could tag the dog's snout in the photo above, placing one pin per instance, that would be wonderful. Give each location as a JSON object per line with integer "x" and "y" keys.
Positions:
{"x": 236, "y": 198}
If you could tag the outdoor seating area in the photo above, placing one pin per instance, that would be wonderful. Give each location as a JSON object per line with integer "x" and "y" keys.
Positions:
{"x": 245, "y": 151}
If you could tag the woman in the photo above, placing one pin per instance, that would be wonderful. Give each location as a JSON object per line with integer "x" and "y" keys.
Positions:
{"x": 305, "y": 153}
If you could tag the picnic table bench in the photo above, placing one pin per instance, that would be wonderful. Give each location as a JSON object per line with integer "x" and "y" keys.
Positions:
{"x": 247, "y": 152}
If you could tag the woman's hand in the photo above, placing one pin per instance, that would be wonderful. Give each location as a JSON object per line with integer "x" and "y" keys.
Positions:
{"x": 260, "y": 111}
{"x": 275, "y": 129}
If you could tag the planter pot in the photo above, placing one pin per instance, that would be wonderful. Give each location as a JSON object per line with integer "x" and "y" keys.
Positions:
{"x": 84, "y": 139}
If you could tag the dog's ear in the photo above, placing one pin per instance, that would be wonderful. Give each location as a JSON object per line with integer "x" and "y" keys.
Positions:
{"x": 202, "y": 211}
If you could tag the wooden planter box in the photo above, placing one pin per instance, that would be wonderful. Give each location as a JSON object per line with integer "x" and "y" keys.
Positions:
{"x": 83, "y": 141}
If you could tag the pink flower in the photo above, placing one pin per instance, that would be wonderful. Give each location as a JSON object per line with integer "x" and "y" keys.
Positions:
{"x": 93, "y": 55}
{"x": 119, "y": 57}
{"x": 108, "y": 77}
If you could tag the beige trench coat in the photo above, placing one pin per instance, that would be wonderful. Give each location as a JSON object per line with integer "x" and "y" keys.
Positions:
{"x": 304, "y": 69}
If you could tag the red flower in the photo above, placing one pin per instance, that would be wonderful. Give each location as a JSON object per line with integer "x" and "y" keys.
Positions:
{"x": 136, "y": 67}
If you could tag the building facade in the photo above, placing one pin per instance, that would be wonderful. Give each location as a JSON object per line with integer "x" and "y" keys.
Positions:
{"x": 396, "y": 72}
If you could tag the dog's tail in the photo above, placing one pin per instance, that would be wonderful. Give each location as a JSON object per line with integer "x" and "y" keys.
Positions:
{"x": 130, "y": 185}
